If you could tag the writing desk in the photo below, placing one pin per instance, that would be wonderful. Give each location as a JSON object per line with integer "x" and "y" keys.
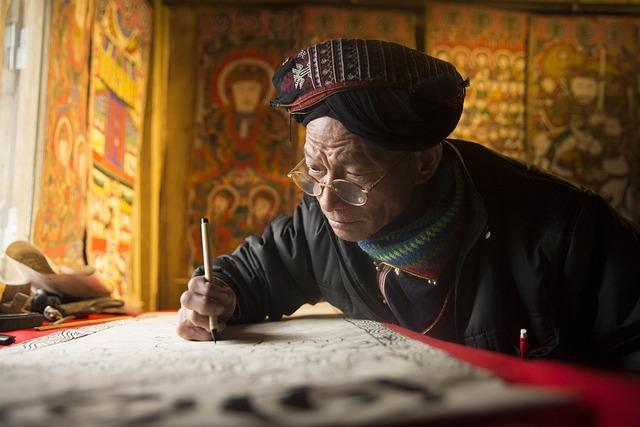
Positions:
{"x": 605, "y": 399}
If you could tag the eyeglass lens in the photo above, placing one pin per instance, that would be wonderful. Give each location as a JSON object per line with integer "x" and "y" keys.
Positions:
{"x": 346, "y": 190}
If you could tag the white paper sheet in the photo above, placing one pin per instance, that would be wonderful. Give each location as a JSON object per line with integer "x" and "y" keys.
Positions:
{"x": 298, "y": 372}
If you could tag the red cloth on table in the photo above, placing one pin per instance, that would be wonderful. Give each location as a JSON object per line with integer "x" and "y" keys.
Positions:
{"x": 29, "y": 334}
{"x": 613, "y": 398}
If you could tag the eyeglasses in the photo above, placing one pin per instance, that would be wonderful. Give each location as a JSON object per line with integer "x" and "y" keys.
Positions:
{"x": 350, "y": 192}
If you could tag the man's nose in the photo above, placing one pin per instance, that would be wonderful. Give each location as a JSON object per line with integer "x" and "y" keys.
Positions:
{"x": 329, "y": 200}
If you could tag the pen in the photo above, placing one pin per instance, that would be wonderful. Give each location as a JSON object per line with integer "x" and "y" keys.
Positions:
{"x": 204, "y": 228}
{"x": 524, "y": 344}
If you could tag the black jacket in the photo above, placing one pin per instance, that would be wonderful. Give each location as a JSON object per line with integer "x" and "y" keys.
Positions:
{"x": 538, "y": 253}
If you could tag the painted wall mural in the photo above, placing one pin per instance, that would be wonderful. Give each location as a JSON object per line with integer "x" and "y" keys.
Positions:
{"x": 489, "y": 47}
{"x": 119, "y": 69}
{"x": 582, "y": 104}
{"x": 322, "y": 23}
{"x": 59, "y": 228}
{"x": 243, "y": 148}
{"x": 582, "y": 115}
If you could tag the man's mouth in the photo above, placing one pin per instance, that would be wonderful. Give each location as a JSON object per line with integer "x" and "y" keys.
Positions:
{"x": 341, "y": 223}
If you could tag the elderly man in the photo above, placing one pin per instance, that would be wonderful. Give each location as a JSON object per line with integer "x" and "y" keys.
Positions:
{"x": 444, "y": 237}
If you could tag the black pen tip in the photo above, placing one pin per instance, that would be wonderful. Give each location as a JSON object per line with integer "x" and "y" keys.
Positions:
{"x": 214, "y": 335}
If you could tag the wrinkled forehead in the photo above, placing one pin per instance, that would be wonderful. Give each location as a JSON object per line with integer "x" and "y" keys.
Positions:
{"x": 326, "y": 136}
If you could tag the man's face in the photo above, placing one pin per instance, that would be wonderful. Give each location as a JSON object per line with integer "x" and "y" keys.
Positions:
{"x": 332, "y": 152}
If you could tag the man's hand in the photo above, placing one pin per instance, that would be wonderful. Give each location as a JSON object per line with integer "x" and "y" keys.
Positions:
{"x": 201, "y": 300}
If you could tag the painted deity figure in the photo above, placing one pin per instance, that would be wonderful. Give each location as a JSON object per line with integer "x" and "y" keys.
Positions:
{"x": 241, "y": 126}
{"x": 247, "y": 149}
{"x": 583, "y": 133}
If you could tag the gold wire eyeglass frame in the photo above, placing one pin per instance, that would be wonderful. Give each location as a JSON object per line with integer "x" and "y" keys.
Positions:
{"x": 364, "y": 191}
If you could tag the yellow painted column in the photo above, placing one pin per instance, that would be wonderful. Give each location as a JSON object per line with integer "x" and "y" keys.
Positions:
{"x": 180, "y": 123}
{"x": 146, "y": 260}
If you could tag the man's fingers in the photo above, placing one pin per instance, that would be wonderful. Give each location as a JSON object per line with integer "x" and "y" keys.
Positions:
{"x": 202, "y": 322}
{"x": 205, "y": 305}
{"x": 215, "y": 290}
{"x": 190, "y": 325}
{"x": 197, "y": 319}
{"x": 201, "y": 300}
{"x": 200, "y": 285}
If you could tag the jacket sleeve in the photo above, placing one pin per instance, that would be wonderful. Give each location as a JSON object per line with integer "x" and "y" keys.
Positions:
{"x": 273, "y": 275}
{"x": 602, "y": 274}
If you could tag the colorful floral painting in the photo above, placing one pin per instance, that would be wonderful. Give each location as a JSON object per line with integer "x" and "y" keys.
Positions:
{"x": 582, "y": 104}
{"x": 489, "y": 47}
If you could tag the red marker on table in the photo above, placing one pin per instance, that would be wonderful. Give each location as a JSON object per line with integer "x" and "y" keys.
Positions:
{"x": 524, "y": 344}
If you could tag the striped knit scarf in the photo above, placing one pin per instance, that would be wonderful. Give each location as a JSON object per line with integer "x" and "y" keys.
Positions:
{"x": 424, "y": 246}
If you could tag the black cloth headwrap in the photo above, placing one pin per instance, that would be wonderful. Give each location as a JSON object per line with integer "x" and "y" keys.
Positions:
{"x": 391, "y": 95}
{"x": 394, "y": 119}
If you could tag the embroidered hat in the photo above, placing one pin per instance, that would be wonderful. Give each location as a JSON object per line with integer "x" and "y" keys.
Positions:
{"x": 389, "y": 94}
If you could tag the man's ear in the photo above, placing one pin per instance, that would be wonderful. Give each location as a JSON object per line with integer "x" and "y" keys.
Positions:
{"x": 427, "y": 163}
